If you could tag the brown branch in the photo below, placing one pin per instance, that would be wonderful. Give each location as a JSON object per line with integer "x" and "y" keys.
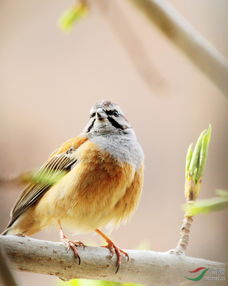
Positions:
{"x": 115, "y": 17}
{"x": 209, "y": 60}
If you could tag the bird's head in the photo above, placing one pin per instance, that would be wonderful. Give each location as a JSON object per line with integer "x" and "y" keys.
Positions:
{"x": 106, "y": 118}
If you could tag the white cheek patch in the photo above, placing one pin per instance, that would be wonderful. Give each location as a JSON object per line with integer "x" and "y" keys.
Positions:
{"x": 102, "y": 124}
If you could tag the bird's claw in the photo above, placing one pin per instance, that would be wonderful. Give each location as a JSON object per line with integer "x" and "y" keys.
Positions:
{"x": 114, "y": 249}
{"x": 73, "y": 245}
{"x": 79, "y": 243}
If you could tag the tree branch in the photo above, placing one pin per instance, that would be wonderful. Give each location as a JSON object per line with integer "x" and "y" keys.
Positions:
{"x": 157, "y": 268}
{"x": 130, "y": 40}
{"x": 206, "y": 57}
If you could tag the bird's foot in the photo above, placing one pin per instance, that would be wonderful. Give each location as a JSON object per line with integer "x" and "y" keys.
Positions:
{"x": 73, "y": 245}
{"x": 115, "y": 249}
{"x": 79, "y": 243}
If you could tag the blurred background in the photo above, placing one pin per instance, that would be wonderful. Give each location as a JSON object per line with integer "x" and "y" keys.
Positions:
{"x": 49, "y": 80}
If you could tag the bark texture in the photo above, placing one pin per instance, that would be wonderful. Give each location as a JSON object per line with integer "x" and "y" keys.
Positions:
{"x": 52, "y": 258}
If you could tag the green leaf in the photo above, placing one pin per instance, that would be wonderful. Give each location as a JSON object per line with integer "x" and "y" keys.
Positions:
{"x": 203, "y": 152}
{"x": 83, "y": 282}
{"x": 130, "y": 284}
{"x": 71, "y": 16}
{"x": 188, "y": 159}
{"x": 44, "y": 177}
{"x": 206, "y": 206}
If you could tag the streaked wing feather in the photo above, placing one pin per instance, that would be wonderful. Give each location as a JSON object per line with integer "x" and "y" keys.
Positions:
{"x": 33, "y": 192}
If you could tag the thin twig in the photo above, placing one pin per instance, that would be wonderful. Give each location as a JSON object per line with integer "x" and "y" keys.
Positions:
{"x": 53, "y": 258}
{"x": 209, "y": 60}
{"x": 184, "y": 235}
{"x": 130, "y": 40}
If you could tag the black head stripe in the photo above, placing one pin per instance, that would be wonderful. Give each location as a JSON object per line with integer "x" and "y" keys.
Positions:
{"x": 91, "y": 126}
{"x": 115, "y": 123}
{"x": 112, "y": 112}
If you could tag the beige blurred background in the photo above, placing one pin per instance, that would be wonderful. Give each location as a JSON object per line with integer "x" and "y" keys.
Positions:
{"x": 49, "y": 80}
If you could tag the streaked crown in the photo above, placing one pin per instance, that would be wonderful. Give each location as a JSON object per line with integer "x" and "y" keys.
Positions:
{"x": 106, "y": 117}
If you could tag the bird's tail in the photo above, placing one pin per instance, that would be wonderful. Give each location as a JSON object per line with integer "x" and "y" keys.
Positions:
{"x": 8, "y": 230}
{"x": 5, "y": 232}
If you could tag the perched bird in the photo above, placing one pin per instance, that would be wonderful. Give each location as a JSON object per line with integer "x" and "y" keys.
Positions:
{"x": 102, "y": 183}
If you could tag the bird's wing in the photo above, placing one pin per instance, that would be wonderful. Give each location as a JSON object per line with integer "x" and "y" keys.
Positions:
{"x": 61, "y": 160}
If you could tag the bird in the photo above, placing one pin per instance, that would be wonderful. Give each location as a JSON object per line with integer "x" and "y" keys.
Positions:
{"x": 102, "y": 182}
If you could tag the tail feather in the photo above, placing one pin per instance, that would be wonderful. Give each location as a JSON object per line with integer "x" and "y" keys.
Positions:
{"x": 5, "y": 232}
{"x": 9, "y": 230}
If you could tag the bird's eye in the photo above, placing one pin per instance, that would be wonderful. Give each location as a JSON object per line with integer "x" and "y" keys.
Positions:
{"x": 115, "y": 113}
{"x": 112, "y": 112}
{"x": 93, "y": 114}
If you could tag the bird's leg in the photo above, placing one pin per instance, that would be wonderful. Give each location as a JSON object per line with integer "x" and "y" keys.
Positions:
{"x": 113, "y": 249}
{"x": 70, "y": 244}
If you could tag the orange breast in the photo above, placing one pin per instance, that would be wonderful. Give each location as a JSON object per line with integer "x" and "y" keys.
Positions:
{"x": 98, "y": 190}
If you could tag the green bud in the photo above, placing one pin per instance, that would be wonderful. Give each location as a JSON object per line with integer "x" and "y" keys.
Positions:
{"x": 195, "y": 163}
{"x": 188, "y": 159}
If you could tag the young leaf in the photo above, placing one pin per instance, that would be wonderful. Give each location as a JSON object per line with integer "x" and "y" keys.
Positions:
{"x": 194, "y": 164}
{"x": 203, "y": 152}
{"x": 74, "y": 14}
{"x": 45, "y": 177}
{"x": 188, "y": 159}
{"x": 207, "y": 205}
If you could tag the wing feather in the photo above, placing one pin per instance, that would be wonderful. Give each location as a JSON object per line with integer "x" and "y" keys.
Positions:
{"x": 61, "y": 160}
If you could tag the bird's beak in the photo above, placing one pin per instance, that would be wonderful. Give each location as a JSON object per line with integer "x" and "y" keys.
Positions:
{"x": 100, "y": 114}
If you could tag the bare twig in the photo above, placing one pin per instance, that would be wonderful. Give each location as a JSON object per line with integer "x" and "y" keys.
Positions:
{"x": 184, "y": 235}
{"x": 117, "y": 20}
{"x": 197, "y": 48}
{"x": 52, "y": 258}
{"x": 195, "y": 162}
